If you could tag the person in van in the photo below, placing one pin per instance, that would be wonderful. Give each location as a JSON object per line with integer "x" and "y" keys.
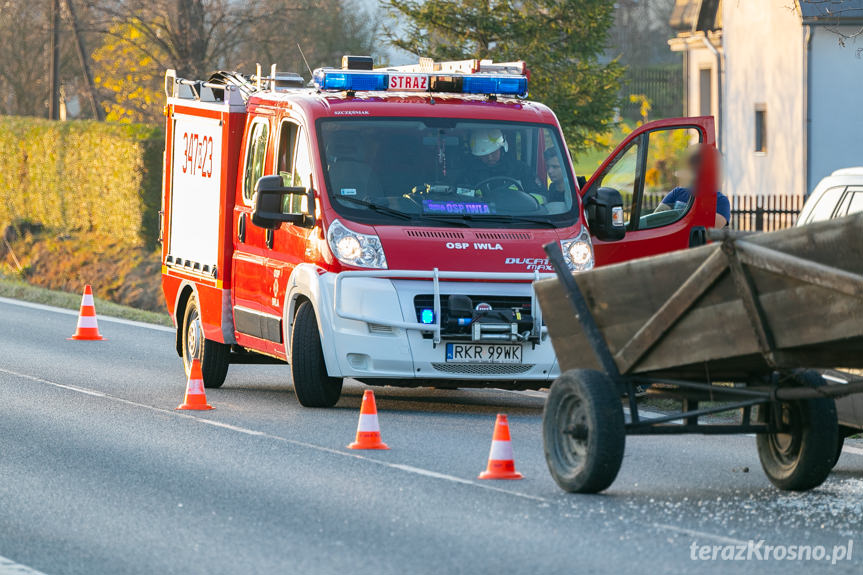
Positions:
{"x": 489, "y": 149}
{"x": 679, "y": 198}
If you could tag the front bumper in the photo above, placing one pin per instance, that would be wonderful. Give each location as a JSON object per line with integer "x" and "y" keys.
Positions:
{"x": 372, "y": 332}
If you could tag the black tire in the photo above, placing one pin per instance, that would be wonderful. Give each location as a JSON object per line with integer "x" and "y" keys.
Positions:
{"x": 215, "y": 357}
{"x": 590, "y": 400}
{"x": 314, "y": 388}
{"x": 802, "y": 458}
{"x": 840, "y": 443}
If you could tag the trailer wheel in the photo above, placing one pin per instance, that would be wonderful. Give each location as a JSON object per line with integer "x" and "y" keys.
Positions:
{"x": 583, "y": 431}
{"x": 802, "y": 457}
{"x": 840, "y": 443}
{"x": 214, "y": 356}
{"x": 314, "y": 388}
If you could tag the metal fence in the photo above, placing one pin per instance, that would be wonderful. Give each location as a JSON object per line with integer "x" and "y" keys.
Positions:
{"x": 765, "y": 213}
{"x": 663, "y": 86}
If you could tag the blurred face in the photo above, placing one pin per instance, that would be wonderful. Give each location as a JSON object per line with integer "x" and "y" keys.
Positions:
{"x": 552, "y": 166}
{"x": 491, "y": 159}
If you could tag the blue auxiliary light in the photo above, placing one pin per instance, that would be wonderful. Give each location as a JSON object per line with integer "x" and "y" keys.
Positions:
{"x": 427, "y": 316}
{"x": 350, "y": 81}
{"x": 488, "y": 84}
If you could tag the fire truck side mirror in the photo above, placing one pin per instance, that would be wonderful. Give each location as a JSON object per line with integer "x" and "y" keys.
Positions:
{"x": 605, "y": 216}
{"x": 270, "y": 197}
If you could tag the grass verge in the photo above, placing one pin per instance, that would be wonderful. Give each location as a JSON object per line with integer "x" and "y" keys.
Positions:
{"x": 19, "y": 290}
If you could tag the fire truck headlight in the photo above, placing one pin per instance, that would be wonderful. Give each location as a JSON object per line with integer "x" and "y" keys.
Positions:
{"x": 356, "y": 249}
{"x": 578, "y": 252}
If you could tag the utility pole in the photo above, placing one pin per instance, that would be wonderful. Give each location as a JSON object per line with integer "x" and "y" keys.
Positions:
{"x": 82, "y": 57}
{"x": 54, "y": 65}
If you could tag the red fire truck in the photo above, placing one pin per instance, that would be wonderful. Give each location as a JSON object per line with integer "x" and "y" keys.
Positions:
{"x": 386, "y": 224}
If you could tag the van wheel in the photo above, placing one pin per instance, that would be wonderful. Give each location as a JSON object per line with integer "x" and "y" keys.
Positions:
{"x": 314, "y": 388}
{"x": 214, "y": 356}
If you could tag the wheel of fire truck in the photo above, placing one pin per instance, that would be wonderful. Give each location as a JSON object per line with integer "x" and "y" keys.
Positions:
{"x": 214, "y": 356}
{"x": 314, "y": 388}
{"x": 583, "y": 431}
{"x": 800, "y": 455}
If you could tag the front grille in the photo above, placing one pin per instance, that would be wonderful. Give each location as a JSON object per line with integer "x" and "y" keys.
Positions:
{"x": 483, "y": 368}
{"x": 497, "y": 302}
{"x": 434, "y": 234}
{"x": 503, "y": 235}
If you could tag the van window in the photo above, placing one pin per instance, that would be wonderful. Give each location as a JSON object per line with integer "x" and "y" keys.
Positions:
{"x": 301, "y": 175}
{"x": 826, "y": 204}
{"x": 285, "y": 153}
{"x": 256, "y": 153}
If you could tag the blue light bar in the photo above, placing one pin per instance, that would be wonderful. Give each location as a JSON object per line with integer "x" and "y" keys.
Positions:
{"x": 488, "y": 84}
{"x": 427, "y": 316}
{"x": 378, "y": 81}
{"x": 350, "y": 81}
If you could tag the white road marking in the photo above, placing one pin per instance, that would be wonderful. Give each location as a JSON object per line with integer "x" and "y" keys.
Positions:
{"x": 321, "y": 448}
{"x": 9, "y": 567}
{"x": 262, "y": 434}
{"x": 700, "y": 534}
{"x": 43, "y": 307}
{"x": 854, "y": 450}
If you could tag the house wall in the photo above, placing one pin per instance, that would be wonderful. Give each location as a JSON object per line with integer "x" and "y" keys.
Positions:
{"x": 700, "y": 58}
{"x": 836, "y": 103}
{"x": 764, "y": 51}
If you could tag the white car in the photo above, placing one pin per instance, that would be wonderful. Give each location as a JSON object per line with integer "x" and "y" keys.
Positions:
{"x": 839, "y": 194}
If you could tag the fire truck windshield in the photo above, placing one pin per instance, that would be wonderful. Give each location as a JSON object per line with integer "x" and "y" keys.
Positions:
{"x": 464, "y": 172}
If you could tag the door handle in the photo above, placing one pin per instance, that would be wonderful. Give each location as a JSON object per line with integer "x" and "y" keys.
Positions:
{"x": 697, "y": 236}
{"x": 241, "y": 228}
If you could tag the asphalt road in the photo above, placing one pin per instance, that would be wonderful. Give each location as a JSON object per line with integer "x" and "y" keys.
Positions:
{"x": 99, "y": 475}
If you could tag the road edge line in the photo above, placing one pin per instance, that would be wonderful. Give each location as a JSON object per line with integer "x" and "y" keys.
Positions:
{"x": 107, "y": 318}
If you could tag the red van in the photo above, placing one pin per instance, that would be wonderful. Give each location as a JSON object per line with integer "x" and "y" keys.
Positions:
{"x": 386, "y": 224}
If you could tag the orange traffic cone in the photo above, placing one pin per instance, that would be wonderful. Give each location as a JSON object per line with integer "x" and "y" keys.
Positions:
{"x": 88, "y": 329}
{"x": 500, "y": 462}
{"x": 195, "y": 397}
{"x": 368, "y": 430}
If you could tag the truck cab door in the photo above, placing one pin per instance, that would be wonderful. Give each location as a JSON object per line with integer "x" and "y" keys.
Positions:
{"x": 250, "y": 251}
{"x": 290, "y": 244}
{"x": 645, "y": 168}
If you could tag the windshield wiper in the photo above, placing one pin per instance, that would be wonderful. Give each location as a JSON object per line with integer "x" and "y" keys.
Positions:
{"x": 379, "y": 208}
{"x": 403, "y": 215}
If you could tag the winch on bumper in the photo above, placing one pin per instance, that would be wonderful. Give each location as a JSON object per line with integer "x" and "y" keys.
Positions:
{"x": 409, "y": 326}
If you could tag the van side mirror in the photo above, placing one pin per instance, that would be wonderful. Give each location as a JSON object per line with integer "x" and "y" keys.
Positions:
{"x": 605, "y": 214}
{"x": 269, "y": 198}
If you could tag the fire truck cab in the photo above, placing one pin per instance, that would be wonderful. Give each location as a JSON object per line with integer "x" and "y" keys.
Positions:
{"x": 386, "y": 224}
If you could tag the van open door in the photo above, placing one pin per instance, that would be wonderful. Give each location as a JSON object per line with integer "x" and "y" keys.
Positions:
{"x": 644, "y": 168}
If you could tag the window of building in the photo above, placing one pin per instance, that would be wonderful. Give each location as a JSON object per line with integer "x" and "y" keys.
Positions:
{"x": 760, "y": 129}
{"x": 705, "y": 92}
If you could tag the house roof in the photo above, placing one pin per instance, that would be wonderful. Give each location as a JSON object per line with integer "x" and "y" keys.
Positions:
{"x": 830, "y": 11}
{"x": 696, "y": 15}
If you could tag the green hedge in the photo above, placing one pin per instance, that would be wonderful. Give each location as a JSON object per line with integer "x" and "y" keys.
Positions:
{"x": 82, "y": 175}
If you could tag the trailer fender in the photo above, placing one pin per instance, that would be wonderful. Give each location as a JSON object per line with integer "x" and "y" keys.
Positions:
{"x": 309, "y": 282}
